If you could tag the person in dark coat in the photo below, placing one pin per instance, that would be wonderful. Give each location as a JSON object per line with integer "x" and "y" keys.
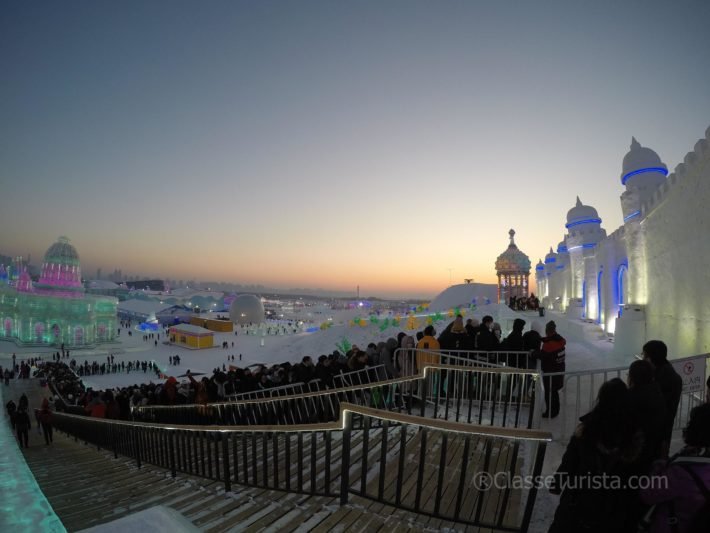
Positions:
{"x": 456, "y": 338}
{"x": 605, "y": 444}
{"x": 648, "y": 409}
{"x": 532, "y": 340}
{"x": 514, "y": 343}
{"x": 11, "y": 412}
{"x": 324, "y": 371}
{"x": 486, "y": 340}
{"x": 552, "y": 360}
{"x": 44, "y": 416}
{"x": 670, "y": 383}
{"x": 23, "y": 426}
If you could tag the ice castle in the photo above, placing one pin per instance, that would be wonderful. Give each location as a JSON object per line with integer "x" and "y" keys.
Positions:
{"x": 649, "y": 278}
{"x": 55, "y": 310}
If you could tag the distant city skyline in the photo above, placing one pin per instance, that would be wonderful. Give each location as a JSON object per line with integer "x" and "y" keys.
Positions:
{"x": 319, "y": 144}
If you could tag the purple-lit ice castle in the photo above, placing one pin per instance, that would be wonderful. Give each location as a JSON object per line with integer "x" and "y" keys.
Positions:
{"x": 55, "y": 310}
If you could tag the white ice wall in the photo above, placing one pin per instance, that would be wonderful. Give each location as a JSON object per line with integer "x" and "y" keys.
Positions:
{"x": 676, "y": 227}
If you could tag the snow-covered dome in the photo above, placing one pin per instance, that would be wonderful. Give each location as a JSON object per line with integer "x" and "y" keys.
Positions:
{"x": 246, "y": 308}
{"x": 551, "y": 257}
{"x": 513, "y": 260}
{"x": 61, "y": 266}
{"x": 581, "y": 214}
{"x": 641, "y": 160}
{"x": 464, "y": 295}
{"x": 640, "y": 157}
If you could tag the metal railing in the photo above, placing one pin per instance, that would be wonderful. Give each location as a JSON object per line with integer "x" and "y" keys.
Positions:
{"x": 366, "y": 452}
{"x": 506, "y": 397}
{"x": 580, "y": 389}
{"x": 364, "y": 376}
{"x": 273, "y": 392}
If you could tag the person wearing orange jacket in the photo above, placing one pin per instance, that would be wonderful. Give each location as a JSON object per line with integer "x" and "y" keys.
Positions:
{"x": 427, "y": 348}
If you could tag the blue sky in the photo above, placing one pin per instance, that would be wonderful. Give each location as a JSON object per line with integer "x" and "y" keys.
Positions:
{"x": 330, "y": 144}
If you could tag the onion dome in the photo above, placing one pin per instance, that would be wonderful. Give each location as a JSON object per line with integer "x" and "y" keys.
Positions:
{"x": 513, "y": 260}
{"x": 539, "y": 265}
{"x": 551, "y": 257}
{"x": 562, "y": 247}
{"x": 582, "y": 214}
{"x": 641, "y": 160}
{"x": 61, "y": 266}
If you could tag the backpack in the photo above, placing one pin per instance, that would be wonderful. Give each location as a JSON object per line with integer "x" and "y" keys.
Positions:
{"x": 700, "y": 522}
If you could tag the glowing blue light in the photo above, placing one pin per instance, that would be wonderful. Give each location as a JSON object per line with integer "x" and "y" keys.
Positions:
{"x": 660, "y": 170}
{"x": 312, "y": 330}
{"x": 540, "y": 267}
{"x": 549, "y": 260}
{"x": 561, "y": 249}
{"x": 560, "y": 267}
{"x": 588, "y": 245}
{"x": 599, "y": 296}
{"x": 585, "y": 221}
{"x": 632, "y": 215}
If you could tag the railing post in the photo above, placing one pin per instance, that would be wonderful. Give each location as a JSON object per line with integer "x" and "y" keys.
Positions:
{"x": 345, "y": 458}
{"x": 225, "y": 463}
{"x": 137, "y": 444}
{"x": 532, "y": 493}
{"x": 171, "y": 444}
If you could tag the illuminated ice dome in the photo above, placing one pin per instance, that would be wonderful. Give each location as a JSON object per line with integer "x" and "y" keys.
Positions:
{"x": 246, "y": 308}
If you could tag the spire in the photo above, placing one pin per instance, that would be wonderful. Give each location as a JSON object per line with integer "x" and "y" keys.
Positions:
{"x": 634, "y": 143}
{"x": 551, "y": 250}
{"x": 512, "y": 237}
{"x": 579, "y": 203}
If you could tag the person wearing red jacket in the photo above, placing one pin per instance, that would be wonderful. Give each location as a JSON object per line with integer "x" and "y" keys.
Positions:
{"x": 552, "y": 360}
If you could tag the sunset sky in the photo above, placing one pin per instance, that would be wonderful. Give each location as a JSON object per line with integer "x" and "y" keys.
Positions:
{"x": 331, "y": 144}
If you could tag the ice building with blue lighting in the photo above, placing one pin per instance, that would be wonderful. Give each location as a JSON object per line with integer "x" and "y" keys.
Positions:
{"x": 650, "y": 277}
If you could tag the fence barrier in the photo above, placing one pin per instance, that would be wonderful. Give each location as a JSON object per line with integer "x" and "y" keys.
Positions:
{"x": 365, "y": 452}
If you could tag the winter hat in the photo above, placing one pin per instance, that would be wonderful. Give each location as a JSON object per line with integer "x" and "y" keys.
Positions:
{"x": 457, "y": 326}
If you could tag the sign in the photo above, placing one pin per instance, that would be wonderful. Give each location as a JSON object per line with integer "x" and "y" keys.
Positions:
{"x": 692, "y": 371}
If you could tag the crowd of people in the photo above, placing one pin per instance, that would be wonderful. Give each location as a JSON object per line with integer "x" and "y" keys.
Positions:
{"x": 524, "y": 303}
{"x": 625, "y": 439}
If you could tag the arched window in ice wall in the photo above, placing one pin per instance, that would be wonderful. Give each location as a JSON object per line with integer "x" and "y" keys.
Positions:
{"x": 102, "y": 332}
{"x": 8, "y": 327}
{"x": 600, "y": 278}
{"x": 622, "y": 290}
{"x": 39, "y": 332}
{"x": 78, "y": 335}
